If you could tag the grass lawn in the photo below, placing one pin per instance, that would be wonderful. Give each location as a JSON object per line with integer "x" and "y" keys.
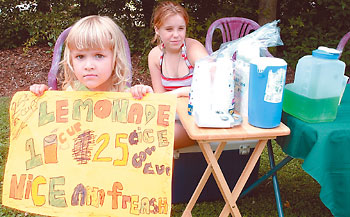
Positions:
{"x": 299, "y": 192}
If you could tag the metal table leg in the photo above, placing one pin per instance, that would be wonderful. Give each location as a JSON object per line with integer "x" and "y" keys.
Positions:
{"x": 275, "y": 181}
{"x": 271, "y": 172}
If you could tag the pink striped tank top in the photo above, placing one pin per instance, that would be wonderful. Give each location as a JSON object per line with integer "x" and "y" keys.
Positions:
{"x": 174, "y": 83}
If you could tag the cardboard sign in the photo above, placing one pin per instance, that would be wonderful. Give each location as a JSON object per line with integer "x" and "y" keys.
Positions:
{"x": 90, "y": 154}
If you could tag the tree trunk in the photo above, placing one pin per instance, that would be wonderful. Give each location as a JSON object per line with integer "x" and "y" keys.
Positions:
{"x": 88, "y": 8}
{"x": 267, "y": 9}
{"x": 147, "y": 6}
{"x": 43, "y": 6}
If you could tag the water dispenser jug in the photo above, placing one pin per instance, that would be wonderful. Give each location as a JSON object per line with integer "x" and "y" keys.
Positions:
{"x": 266, "y": 81}
{"x": 314, "y": 95}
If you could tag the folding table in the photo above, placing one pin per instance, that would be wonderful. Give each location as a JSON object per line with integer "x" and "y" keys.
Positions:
{"x": 206, "y": 135}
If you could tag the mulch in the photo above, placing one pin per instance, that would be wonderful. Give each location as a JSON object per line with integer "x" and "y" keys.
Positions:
{"x": 19, "y": 69}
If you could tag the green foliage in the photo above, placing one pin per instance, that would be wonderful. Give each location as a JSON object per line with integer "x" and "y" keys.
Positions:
{"x": 4, "y": 135}
{"x": 4, "y": 132}
{"x": 305, "y": 25}
{"x": 45, "y": 28}
{"x": 4, "y": 120}
{"x": 11, "y": 24}
{"x": 201, "y": 17}
{"x": 30, "y": 27}
{"x": 140, "y": 42}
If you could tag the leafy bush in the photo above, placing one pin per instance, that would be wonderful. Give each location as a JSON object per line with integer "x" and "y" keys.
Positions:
{"x": 30, "y": 26}
{"x": 305, "y": 25}
{"x": 45, "y": 28}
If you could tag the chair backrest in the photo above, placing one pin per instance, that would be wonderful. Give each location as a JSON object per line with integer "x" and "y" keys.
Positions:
{"x": 52, "y": 76}
{"x": 343, "y": 42}
{"x": 231, "y": 28}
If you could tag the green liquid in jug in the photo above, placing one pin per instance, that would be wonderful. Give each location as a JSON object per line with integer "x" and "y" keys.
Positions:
{"x": 310, "y": 110}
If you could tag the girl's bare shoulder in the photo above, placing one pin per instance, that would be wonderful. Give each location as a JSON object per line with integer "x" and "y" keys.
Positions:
{"x": 191, "y": 42}
{"x": 195, "y": 50}
{"x": 153, "y": 58}
{"x": 155, "y": 52}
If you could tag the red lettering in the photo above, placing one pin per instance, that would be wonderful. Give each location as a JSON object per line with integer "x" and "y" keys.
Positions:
{"x": 135, "y": 109}
{"x": 16, "y": 190}
{"x": 114, "y": 193}
{"x": 103, "y": 108}
{"x": 125, "y": 199}
{"x": 162, "y": 119}
{"x": 61, "y": 110}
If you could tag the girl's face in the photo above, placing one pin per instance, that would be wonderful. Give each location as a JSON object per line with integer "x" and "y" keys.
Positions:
{"x": 173, "y": 31}
{"x": 93, "y": 68}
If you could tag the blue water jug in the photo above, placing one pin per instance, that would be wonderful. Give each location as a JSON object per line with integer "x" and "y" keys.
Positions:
{"x": 266, "y": 83}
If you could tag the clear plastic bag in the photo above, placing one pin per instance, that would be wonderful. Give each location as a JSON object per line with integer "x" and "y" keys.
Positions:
{"x": 213, "y": 86}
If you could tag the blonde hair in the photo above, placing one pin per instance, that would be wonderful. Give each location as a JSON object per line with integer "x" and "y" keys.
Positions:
{"x": 97, "y": 32}
{"x": 164, "y": 10}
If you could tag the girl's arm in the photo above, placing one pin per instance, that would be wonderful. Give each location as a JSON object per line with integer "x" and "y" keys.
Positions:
{"x": 154, "y": 69}
{"x": 195, "y": 50}
{"x": 38, "y": 89}
{"x": 182, "y": 91}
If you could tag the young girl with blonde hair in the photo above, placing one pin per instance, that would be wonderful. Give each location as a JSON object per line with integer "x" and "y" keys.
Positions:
{"x": 95, "y": 59}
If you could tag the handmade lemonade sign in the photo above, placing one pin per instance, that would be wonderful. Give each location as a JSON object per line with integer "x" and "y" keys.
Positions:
{"x": 90, "y": 154}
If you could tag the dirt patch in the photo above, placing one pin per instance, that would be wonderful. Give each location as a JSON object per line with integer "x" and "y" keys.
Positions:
{"x": 18, "y": 70}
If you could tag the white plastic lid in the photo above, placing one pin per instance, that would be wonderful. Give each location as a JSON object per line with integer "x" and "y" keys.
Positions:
{"x": 329, "y": 50}
{"x": 326, "y": 53}
{"x": 263, "y": 62}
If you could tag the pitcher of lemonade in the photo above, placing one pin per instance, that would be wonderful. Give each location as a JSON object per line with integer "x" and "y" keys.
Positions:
{"x": 314, "y": 95}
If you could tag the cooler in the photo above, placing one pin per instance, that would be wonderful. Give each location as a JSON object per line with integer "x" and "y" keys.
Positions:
{"x": 190, "y": 164}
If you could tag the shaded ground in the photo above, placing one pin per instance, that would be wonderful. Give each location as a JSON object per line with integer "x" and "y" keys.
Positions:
{"x": 18, "y": 70}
